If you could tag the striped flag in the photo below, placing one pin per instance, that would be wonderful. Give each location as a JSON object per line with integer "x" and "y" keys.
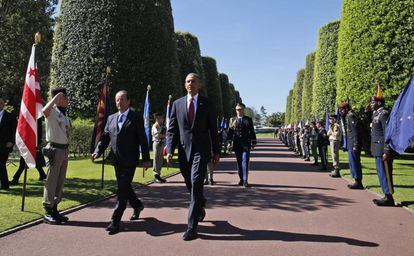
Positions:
{"x": 147, "y": 111}
{"x": 30, "y": 111}
{"x": 167, "y": 121}
{"x": 102, "y": 112}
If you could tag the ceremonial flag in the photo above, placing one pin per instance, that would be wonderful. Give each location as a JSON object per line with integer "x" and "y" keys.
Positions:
{"x": 400, "y": 125}
{"x": 146, "y": 117}
{"x": 326, "y": 121}
{"x": 167, "y": 121}
{"x": 102, "y": 113}
{"x": 30, "y": 111}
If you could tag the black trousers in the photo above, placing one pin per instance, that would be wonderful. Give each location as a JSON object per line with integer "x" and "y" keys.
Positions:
{"x": 125, "y": 193}
{"x": 194, "y": 172}
{"x": 22, "y": 164}
{"x": 4, "y": 178}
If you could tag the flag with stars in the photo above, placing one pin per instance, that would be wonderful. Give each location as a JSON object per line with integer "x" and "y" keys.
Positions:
{"x": 30, "y": 111}
{"x": 400, "y": 126}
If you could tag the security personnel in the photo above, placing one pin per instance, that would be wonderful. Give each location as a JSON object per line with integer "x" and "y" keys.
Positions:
{"x": 244, "y": 139}
{"x": 56, "y": 153}
{"x": 353, "y": 143}
{"x": 380, "y": 150}
{"x": 322, "y": 144}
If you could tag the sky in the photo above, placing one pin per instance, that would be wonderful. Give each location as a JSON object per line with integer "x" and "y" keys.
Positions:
{"x": 259, "y": 44}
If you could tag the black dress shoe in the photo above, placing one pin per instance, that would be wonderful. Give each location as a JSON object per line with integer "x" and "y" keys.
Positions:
{"x": 388, "y": 200}
{"x": 59, "y": 216}
{"x": 202, "y": 215}
{"x": 50, "y": 217}
{"x": 356, "y": 185}
{"x": 240, "y": 183}
{"x": 335, "y": 174}
{"x": 189, "y": 235}
{"x": 136, "y": 213}
{"x": 158, "y": 179}
{"x": 307, "y": 159}
{"x": 113, "y": 228}
{"x": 206, "y": 182}
{"x": 211, "y": 182}
{"x": 245, "y": 184}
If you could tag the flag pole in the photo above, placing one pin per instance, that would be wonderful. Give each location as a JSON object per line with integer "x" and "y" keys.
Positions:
{"x": 148, "y": 139}
{"x": 38, "y": 38}
{"x": 108, "y": 71}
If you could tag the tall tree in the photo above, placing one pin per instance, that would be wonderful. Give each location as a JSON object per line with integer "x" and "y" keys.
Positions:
{"x": 307, "y": 87}
{"x": 19, "y": 21}
{"x": 188, "y": 49}
{"x": 212, "y": 84}
{"x": 297, "y": 98}
{"x": 135, "y": 38}
{"x": 288, "y": 111}
{"x": 225, "y": 94}
{"x": 376, "y": 45}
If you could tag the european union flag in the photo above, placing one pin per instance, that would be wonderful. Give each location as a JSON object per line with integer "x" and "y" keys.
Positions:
{"x": 146, "y": 118}
{"x": 400, "y": 126}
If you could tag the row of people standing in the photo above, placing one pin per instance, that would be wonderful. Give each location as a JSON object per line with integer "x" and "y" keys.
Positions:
{"x": 345, "y": 132}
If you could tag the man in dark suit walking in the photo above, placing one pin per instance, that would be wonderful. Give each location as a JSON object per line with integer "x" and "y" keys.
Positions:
{"x": 193, "y": 128}
{"x": 124, "y": 130}
{"x": 8, "y": 125}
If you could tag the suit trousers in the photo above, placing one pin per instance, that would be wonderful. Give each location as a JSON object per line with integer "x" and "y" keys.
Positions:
{"x": 194, "y": 172}
{"x": 125, "y": 192}
{"x": 354, "y": 159}
{"x": 382, "y": 176}
{"x": 243, "y": 158}
{"x": 4, "y": 178}
{"x": 56, "y": 176}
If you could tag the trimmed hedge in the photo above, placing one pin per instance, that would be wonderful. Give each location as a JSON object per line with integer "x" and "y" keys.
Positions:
{"x": 288, "y": 112}
{"x": 297, "y": 98}
{"x": 212, "y": 84}
{"x": 80, "y": 137}
{"x": 19, "y": 21}
{"x": 135, "y": 38}
{"x": 225, "y": 94}
{"x": 307, "y": 87}
{"x": 376, "y": 45}
{"x": 324, "y": 81}
{"x": 188, "y": 50}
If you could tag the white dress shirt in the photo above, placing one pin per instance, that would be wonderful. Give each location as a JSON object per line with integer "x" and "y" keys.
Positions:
{"x": 195, "y": 99}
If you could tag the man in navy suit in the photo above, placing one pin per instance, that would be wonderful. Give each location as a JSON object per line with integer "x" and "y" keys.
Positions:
{"x": 125, "y": 131}
{"x": 193, "y": 128}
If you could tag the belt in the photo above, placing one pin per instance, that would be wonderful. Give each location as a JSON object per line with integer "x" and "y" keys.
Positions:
{"x": 59, "y": 146}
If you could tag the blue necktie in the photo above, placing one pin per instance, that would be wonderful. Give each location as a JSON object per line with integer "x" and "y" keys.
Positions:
{"x": 120, "y": 121}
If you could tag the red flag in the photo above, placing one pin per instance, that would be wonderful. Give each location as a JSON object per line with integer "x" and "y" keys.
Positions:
{"x": 102, "y": 112}
{"x": 30, "y": 111}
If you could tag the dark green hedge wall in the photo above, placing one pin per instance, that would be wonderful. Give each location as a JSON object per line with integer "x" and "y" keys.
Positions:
{"x": 225, "y": 94}
{"x": 288, "y": 111}
{"x": 297, "y": 98}
{"x": 307, "y": 87}
{"x": 376, "y": 45}
{"x": 324, "y": 83}
{"x": 212, "y": 84}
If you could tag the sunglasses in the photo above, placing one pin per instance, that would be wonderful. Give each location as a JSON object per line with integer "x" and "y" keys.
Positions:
{"x": 239, "y": 109}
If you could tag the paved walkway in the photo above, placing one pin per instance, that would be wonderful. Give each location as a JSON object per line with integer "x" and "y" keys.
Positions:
{"x": 291, "y": 209}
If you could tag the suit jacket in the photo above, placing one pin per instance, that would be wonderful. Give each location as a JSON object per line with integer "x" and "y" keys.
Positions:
{"x": 353, "y": 131}
{"x": 7, "y": 131}
{"x": 378, "y": 129}
{"x": 242, "y": 133}
{"x": 126, "y": 142}
{"x": 201, "y": 136}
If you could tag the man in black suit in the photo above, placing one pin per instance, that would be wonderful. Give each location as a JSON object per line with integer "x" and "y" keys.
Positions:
{"x": 243, "y": 137}
{"x": 8, "y": 125}
{"x": 125, "y": 131}
{"x": 193, "y": 128}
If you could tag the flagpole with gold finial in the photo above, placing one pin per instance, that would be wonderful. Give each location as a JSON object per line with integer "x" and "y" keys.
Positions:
{"x": 38, "y": 39}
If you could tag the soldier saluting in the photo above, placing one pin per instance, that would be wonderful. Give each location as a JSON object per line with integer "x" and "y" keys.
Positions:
{"x": 380, "y": 150}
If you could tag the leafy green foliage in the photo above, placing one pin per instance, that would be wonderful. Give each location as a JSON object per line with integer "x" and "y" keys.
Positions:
{"x": 307, "y": 87}
{"x": 226, "y": 95}
{"x": 275, "y": 119}
{"x": 135, "y": 38}
{"x": 19, "y": 21}
{"x": 376, "y": 45}
{"x": 188, "y": 50}
{"x": 324, "y": 81}
{"x": 297, "y": 98}
{"x": 288, "y": 113}
{"x": 212, "y": 84}
{"x": 80, "y": 137}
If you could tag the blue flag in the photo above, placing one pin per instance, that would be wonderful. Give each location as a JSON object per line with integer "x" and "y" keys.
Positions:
{"x": 326, "y": 121}
{"x": 146, "y": 119}
{"x": 400, "y": 125}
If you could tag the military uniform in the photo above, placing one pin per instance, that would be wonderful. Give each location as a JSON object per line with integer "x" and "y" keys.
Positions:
{"x": 353, "y": 137}
{"x": 378, "y": 148}
{"x": 322, "y": 143}
{"x": 243, "y": 136}
{"x": 334, "y": 141}
{"x": 314, "y": 144}
{"x": 158, "y": 132}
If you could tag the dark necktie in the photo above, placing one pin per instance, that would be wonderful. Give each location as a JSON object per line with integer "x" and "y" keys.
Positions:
{"x": 191, "y": 112}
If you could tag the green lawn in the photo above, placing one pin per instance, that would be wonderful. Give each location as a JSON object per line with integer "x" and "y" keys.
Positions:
{"x": 83, "y": 184}
{"x": 403, "y": 176}
{"x": 265, "y": 135}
